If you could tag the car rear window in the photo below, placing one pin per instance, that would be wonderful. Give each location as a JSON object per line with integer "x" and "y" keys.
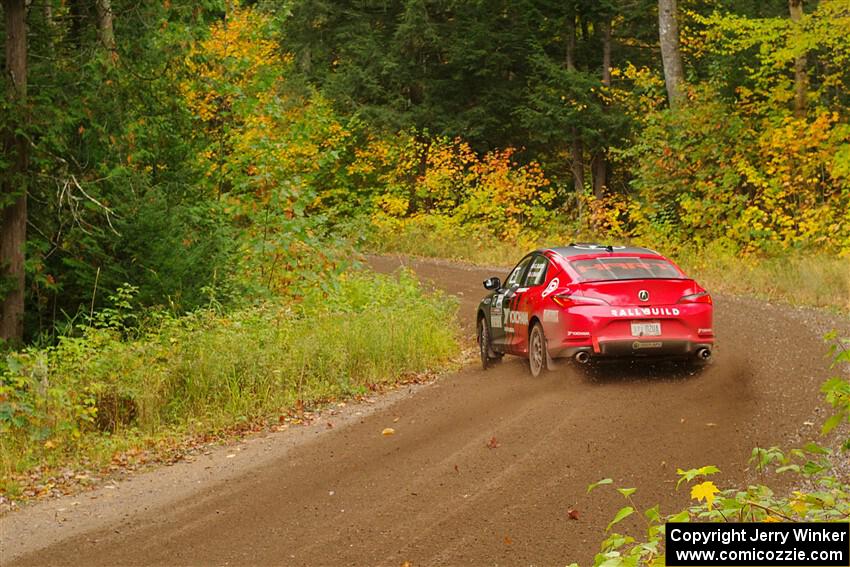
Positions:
{"x": 625, "y": 269}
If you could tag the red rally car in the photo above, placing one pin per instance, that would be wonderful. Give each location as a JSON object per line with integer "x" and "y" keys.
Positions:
{"x": 590, "y": 301}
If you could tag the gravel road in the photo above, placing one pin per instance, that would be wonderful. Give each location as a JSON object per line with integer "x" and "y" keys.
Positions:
{"x": 435, "y": 493}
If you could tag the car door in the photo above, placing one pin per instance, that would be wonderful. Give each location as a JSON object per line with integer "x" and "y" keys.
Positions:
{"x": 528, "y": 299}
{"x": 500, "y": 307}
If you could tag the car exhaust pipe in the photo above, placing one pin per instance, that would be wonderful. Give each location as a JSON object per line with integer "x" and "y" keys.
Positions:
{"x": 704, "y": 353}
{"x": 582, "y": 357}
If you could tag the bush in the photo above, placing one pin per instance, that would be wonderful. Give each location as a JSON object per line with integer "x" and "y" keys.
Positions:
{"x": 767, "y": 184}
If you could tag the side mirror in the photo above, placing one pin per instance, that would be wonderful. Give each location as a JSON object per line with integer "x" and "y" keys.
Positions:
{"x": 492, "y": 283}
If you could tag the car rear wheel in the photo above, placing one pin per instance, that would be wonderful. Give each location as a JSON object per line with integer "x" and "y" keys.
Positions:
{"x": 485, "y": 349}
{"x": 538, "y": 354}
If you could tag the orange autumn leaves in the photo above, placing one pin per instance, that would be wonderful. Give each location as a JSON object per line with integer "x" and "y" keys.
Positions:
{"x": 447, "y": 178}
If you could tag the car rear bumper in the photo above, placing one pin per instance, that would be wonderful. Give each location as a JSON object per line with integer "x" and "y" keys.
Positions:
{"x": 657, "y": 347}
{"x": 608, "y": 332}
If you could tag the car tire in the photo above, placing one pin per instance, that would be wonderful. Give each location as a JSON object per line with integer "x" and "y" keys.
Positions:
{"x": 538, "y": 353}
{"x": 485, "y": 349}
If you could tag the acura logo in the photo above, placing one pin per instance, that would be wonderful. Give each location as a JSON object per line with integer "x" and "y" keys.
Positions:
{"x": 643, "y": 295}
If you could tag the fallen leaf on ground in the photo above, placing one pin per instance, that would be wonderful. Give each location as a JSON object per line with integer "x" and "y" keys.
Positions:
{"x": 573, "y": 514}
{"x": 508, "y": 540}
{"x": 456, "y": 469}
{"x": 493, "y": 443}
{"x": 388, "y": 431}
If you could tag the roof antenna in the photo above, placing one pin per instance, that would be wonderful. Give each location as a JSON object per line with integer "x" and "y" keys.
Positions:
{"x": 609, "y": 248}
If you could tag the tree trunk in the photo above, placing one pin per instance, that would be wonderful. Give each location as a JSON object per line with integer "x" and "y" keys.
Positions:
{"x": 78, "y": 11}
{"x": 50, "y": 30}
{"x": 577, "y": 149}
{"x": 600, "y": 159}
{"x": 13, "y": 193}
{"x": 571, "y": 42}
{"x": 105, "y": 28}
{"x": 801, "y": 79}
{"x": 606, "y": 53}
{"x": 671, "y": 57}
{"x": 599, "y": 165}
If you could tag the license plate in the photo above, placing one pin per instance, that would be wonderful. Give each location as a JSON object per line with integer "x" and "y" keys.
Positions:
{"x": 646, "y": 329}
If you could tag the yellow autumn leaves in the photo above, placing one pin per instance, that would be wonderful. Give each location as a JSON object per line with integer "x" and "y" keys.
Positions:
{"x": 228, "y": 62}
{"x": 492, "y": 191}
{"x": 704, "y": 492}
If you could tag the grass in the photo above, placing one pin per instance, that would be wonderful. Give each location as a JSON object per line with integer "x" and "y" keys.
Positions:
{"x": 98, "y": 394}
{"x": 805, "y": 279}
{"x": 813, "y": 280}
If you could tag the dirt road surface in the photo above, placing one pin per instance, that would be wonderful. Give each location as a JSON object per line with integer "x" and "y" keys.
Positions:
{"x": 434, "y": 493}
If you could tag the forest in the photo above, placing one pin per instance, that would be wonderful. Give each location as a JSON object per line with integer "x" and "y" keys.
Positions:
{"x": 184, "y": 147}
{"x": 186, "y": 184}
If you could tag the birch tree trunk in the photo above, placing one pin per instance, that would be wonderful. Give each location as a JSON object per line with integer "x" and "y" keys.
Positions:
{"x": 105, "y": 26}
{"x": 671, "y": 57}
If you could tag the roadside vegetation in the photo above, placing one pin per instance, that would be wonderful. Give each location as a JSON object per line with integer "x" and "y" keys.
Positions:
{"x": 816, "y": 472}
{"x": 114, "y": 389}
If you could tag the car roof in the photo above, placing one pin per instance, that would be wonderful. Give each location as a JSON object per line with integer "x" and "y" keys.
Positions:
{"x": 591, "y": 249}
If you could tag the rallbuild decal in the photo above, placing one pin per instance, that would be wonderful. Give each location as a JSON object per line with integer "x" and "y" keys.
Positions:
{"x": 641, "y": 311}
{"x": 553, "y": 285}
{"x": 550, "y": 316}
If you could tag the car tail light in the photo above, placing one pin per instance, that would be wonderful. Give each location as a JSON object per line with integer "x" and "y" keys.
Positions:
{"x": 567, "y": 300}
{"x": 701, "y": 297}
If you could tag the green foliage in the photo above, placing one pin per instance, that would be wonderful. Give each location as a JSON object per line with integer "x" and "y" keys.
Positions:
{"x": 719, "y": 41}
{"x": 208, "y": 370}
{"x": 836, "y": 390}
{"x": 114, "y": 190}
